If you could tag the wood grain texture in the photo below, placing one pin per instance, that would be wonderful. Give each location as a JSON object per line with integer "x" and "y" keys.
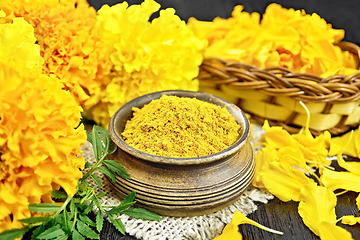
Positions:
{"x": 276, "y": 215}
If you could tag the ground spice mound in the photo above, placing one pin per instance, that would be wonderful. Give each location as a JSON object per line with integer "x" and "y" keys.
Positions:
{"x": 181, "y": 127}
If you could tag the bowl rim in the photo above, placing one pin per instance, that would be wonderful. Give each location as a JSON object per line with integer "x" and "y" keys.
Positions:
{"x": 239, "y": 116}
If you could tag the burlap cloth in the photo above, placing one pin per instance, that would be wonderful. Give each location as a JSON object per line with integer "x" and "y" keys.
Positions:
{"x": 174, "y": 228}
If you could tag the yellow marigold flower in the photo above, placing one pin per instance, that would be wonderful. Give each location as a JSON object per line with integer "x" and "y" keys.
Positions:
{"x": 231, "y": 230}
{"x": 145, "y": 56}
{"x": 69, "y": 44}
{"x": 284, "y": 37}
{"x": 39, "y": 145}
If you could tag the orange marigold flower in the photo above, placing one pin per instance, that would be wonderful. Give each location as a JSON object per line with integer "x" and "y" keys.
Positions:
{"x": 39, "y": 145}
{"x": 70, "y": 45}
{"x": 146, "y": 56}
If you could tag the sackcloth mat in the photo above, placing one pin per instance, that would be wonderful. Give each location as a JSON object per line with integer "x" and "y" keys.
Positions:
{"x": 177, "y": 228}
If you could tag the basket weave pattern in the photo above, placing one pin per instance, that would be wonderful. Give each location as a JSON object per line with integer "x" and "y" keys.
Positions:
{"x": 274, "y": 94}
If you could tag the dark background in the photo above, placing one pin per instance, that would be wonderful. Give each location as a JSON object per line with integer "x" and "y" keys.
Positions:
{"x": 342, "y": 14}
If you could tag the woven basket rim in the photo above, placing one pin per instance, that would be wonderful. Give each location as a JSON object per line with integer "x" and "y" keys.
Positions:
{"x": 280, "y": 81}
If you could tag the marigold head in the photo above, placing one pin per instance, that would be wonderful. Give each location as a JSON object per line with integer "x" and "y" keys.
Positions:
{"x": 69, "y": 44}
{"x": 145, "y": 56}
{"x": 39, "y": 145}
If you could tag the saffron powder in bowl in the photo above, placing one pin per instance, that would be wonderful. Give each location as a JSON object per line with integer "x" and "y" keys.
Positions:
{"x": 187, "y": 153}
{"x": 181, "y": 127}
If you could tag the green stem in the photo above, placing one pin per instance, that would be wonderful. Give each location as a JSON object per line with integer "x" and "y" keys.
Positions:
{"x": 93, "y": 168}
{"x": 75, "y": 219}
{"x": 63, "y": 206}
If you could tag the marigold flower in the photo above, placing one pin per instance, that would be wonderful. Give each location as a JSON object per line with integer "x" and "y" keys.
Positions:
{"x": 39, "y": 145}
{"x": 70, "y": 46}
{"x": 283, "y": 37}
{"x": 145, "y": 56}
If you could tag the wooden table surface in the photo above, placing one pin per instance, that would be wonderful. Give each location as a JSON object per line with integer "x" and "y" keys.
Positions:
{"x": 276, "y": 215}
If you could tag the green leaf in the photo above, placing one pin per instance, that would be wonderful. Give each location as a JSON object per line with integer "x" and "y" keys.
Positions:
{"x": 65, "y": 222}
{"x": 77, "y": 236}
{"x": 97, "y": 144}
{"x": 54, "y": 232}
{"x": 117, "y": 224}
{"x": 13, "y": 233}
{"x": 96, "y": 180}
{"x": 86, "y": 183}
{"x": 58, "y": 194}
{"x": 129, "y": 198}
{"x": 88, "y": 165}
{"x": 112, "y": 147}
{"x": 38, "y": 231}
{"x": 99, "y": 221}
{"x": 102, "y": 194}
{"x": 107, "y": 172}
{"x": 33, "y": 220}
{"x": 86, "y": 230}
{"x": 104, "y": 137}
{"x": 86, "y": 220}
{"x": 103, "y": 131}
{"x": 44, "y": 207}
{"x": 141, "y": 213}
{"x": 125, "y": 204}
{"x": 89, "y": 137}
{"x": 119, "y": 209}
{"x": 89, "y": 208}
{"x": 97, "y": 203}
{"x": 72, "y": 208}
{"x": 117, "y": 168}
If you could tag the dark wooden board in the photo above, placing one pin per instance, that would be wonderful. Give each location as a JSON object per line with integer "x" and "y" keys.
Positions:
{"x": 278, "y": 215}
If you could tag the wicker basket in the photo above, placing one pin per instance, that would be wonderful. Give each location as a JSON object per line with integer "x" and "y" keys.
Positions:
{"x": 274, "y": 94}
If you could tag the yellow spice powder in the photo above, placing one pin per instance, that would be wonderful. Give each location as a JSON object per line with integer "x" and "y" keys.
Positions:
{"x": 181, "y": 127}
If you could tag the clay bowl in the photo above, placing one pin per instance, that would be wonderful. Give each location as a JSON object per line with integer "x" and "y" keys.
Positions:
{"x": 183, "y": 186}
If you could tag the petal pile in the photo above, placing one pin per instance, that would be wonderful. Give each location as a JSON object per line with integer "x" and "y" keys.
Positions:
{"x": 305, "y": 175}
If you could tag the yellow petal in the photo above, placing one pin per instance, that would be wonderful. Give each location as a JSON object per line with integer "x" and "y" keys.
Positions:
{"x": 340, "y": 180}
{"x": 293, "y": 157}
{"x": 330, "y": 231}
{"x": 353, "y": 167}
{"x": 338, "y": 144}
{"x": 358, "y": 201}
{"x": 350, "y": 220}
{"x": 284, "y": 181}
{"x": 231, "y": 230}
{"x": 277, "y": 137}
{"x": 317, "y": 204}
{"x": 263, "y": 158}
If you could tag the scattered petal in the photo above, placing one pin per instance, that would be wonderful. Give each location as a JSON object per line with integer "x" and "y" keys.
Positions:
{"x": 317, "y": 205}
{"x": 330, "y": 231}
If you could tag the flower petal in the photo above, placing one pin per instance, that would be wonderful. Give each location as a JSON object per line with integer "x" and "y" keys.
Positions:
{"x": 317, "y": 204}
{"x": 330, "y": 231}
